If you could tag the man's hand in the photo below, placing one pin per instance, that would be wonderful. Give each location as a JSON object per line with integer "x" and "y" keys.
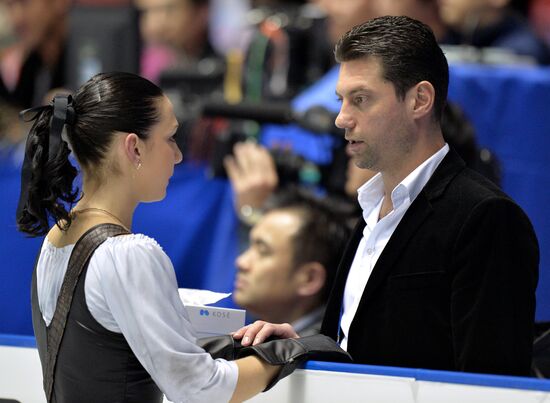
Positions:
{"x": 259, "y": 331}
{"x": 252, "y": 173}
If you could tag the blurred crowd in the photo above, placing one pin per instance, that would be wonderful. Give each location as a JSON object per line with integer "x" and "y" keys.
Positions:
{"x": 268, "y": 50}
{"x": 232, "y": 50}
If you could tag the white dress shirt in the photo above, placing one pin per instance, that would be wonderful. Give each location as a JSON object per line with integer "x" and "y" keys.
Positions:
{"x": 131, "y": 288}
{"x": 377, "y": 233}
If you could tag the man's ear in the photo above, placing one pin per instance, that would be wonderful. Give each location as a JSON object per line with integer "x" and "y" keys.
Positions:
{"x": 311, "y": 278}
{"x": 422, "y": 98}
{"x": 132, "y": 148}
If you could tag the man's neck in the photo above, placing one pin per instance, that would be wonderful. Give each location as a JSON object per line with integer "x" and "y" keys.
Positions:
{"x": 392, "y": 177}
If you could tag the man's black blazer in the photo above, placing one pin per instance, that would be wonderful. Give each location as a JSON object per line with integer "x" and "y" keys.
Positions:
{"x": 454, "y": 288}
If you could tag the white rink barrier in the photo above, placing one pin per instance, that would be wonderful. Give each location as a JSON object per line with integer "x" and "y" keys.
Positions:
{"x": 317, "y": 382}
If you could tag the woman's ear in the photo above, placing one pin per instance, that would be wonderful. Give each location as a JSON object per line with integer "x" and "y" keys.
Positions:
{"x": 132, "y": 149}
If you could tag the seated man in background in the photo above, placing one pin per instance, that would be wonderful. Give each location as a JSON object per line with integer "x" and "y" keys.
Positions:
{"x": 286, "y": 273}
{"x": 175, "y": 33}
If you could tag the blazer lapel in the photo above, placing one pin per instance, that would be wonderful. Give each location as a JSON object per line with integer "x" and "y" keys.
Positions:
{"x": 413, "y": 218}
{"x": 417, "y": 213}
{"x": 331, "y": 320}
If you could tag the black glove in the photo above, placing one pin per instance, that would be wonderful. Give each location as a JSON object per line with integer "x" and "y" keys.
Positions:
{"x": 225, "y": 347}
{"x": 289, "y": 353}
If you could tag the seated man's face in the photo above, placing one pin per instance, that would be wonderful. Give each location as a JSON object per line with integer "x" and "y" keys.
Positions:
{"x": 265, "y": 277}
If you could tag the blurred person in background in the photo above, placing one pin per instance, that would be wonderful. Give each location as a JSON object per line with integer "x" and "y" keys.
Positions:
{"x": 175, "y": 33}
{"x": 345, "y": 14}
{"x": 291, "y": 45}
{"x": 253, "y": 176}
{"x": 7, "y": 37}
{"x": 35, "y": 63}
{"x": 287, "y": 271}
{"x": 11, "y": 134}
{"x": 539, "y": 16}
{"x": 495, "y": 24}
{"x": 422, "y": 10}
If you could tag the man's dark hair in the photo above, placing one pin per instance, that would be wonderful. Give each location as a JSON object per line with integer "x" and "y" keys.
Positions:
{"x": 407, "y": 50}
{"x": 324, "y": 229}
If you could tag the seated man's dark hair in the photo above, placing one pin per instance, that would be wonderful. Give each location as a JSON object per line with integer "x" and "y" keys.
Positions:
{"x": 324, "y": 232}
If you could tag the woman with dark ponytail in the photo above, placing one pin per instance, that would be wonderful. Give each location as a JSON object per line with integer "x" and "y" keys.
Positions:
{"x": 108, "y": 320}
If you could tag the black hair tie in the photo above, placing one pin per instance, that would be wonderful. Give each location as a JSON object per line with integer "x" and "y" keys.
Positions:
{"x": 63, "y": 113}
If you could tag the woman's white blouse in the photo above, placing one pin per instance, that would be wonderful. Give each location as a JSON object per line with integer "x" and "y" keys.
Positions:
{"x": 131, "y": 288}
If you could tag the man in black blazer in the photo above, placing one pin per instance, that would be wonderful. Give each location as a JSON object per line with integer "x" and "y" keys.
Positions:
{"x": 442, "y": 270}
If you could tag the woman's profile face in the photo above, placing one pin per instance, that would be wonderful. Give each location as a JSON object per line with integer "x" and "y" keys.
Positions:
{"x": 159, "y": 155}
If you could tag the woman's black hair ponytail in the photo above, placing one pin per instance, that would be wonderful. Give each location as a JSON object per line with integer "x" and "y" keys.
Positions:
{"x": 49, "y": 178}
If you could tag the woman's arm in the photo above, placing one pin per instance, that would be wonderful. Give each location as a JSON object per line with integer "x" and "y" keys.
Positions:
{"x": 254, "y": 376}
{"x": 279, "y": 358}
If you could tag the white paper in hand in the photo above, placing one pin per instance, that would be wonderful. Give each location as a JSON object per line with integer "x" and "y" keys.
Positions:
{"x": 191, "y": 296}
{"x": 209, "y": 320}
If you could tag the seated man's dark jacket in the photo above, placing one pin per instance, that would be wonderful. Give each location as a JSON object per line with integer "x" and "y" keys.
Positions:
{"x": 454, "y": 288}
